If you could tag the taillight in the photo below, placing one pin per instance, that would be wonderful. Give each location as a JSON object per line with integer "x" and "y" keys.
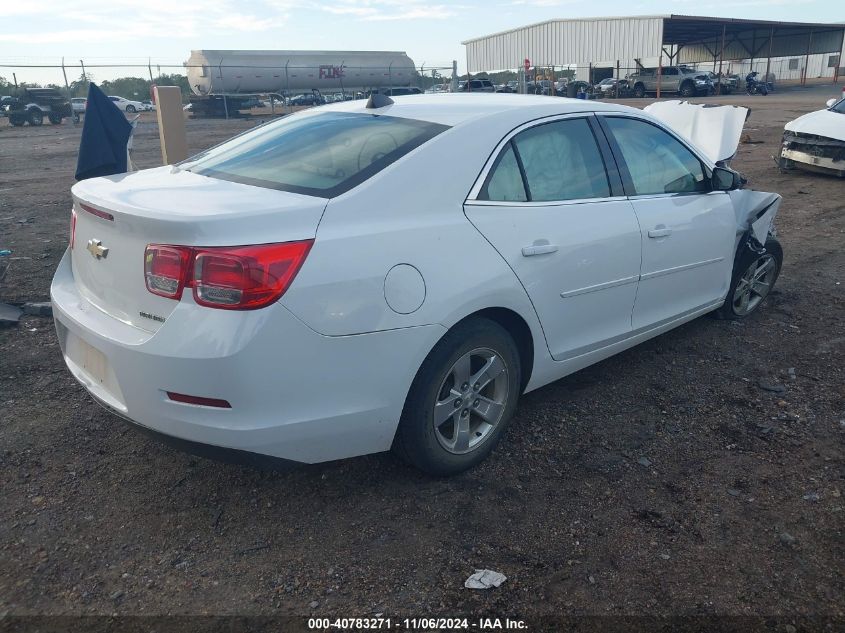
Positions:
{"x": 231, "y": 278}
{"x": 165, "y": 269}
{"x": 72, "y": 227}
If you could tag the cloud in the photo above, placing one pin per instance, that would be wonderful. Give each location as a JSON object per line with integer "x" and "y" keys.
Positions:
{"x": 392, "y": 10}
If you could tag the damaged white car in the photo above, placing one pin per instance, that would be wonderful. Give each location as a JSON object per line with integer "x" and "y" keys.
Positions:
{"x": 395, "y": 274}
{"x": 816, "y": 141}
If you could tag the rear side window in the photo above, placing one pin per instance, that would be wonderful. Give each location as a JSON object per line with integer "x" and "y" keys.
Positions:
{"x": 322, "y": 155}
{"x": 657, "y": 161}
{"x": 557, "y": 161}
{"x": 562, "y": 161}
{"x": 505, "y": 182}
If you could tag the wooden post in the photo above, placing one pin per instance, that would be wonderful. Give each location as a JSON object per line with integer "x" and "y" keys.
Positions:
{"x": 171, "y": 124}
{"x": 807, "y": 58}
{"x": 659, "y": 73}
{"x": 769, "y": 58}
{"x": 721, "y": 59}
{"x": 67, "y": 86}
{"x": 839, "y": 63}
{"x": 617, "y": 79}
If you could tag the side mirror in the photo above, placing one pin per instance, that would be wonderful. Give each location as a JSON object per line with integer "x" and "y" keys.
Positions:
{"x": 830, "y": 102}
{"x": 725, "y": 179}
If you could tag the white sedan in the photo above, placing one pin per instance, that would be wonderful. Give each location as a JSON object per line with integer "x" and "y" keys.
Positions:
{"x": 127, "y": 105}
{"x": 356, "y": 278}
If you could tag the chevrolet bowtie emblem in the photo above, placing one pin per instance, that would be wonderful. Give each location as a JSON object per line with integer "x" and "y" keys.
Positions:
{"x": 96, "y": 248}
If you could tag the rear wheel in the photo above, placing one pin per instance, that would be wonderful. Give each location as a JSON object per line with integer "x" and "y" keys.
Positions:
{"x": 687, "y": 89}
{"x": 36, "y": 117}
{"x": 639, "y": 91}
{"x": 754, "y": 276}
{"x": 461, "y": 400}
{"x": 130, "y": 109}
{"x": 17, "y": 119}
{"x": 55, "y": 119}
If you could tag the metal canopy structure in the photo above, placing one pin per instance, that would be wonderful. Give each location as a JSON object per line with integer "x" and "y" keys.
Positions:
{"x": 670, "y": 38}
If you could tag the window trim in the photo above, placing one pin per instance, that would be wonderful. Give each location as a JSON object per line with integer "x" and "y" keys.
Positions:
{"x": 627, "y": 181}
{"x": 610, "y": 168}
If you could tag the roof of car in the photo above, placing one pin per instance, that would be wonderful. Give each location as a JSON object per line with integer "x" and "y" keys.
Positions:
{"x": 453, "y": 109}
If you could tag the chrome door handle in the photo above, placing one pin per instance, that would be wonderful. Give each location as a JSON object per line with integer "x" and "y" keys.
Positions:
{"x": 660, "y": 232}
{"x": 538, "y": 249}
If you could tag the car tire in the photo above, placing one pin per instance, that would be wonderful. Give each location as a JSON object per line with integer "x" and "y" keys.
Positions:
{"x": 55, "y": 119}
{"x": 130, "y": 109}
{"x": 472, "y": 417}
{"x": 687, "y": 89}
{"x": 17, "y": 120}
{"x": 744, "y": 294}
{"x": 35, "y": 117}
{"x": 639, "y": 91}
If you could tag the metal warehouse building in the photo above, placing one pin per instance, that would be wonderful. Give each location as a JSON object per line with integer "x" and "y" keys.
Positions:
{"x": 651, "y": 41}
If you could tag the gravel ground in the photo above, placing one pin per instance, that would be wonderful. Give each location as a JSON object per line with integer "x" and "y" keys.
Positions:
{"x": 698, "y": 474}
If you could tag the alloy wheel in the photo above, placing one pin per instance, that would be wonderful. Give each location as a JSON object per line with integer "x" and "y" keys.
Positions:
{"x": 471, "y": 401}
{"x": 754, "y": 285}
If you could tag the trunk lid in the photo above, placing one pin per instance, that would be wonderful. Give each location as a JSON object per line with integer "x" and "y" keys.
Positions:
{"x": 125, "y": 213}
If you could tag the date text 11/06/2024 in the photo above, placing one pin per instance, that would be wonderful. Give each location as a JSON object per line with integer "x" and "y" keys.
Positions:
{"x": 411, "y": 624}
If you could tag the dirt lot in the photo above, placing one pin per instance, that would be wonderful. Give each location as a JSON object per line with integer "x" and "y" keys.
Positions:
{"x": 663, "y": 481}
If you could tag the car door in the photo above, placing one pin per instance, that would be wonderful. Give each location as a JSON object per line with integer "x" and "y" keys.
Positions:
{"x": 551, "y": 204}
{"x": 688, "y": 230}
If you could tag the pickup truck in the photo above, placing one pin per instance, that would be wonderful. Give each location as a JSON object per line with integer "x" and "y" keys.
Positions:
{"x": 680, "y": 80}
{"x": 33, "y": 105}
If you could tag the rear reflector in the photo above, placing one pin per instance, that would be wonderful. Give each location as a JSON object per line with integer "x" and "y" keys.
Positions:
{"x": 197, "y": 400}
{"x": 230, "y": 278}
{"x": 100, "y": 214}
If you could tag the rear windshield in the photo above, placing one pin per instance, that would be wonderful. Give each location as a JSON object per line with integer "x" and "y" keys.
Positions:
{"x": 320, "y": 155}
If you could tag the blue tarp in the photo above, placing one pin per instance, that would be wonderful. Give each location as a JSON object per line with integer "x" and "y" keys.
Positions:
{"x": 102, "y": 149}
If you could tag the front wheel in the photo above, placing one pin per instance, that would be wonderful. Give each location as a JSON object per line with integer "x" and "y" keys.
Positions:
{"x": 130, "y": 109}
{"x": 461, "y": 400}
{"x": 36, "y": 117}
{"x": 55, "y": 119}
{"x": 687, "y": 90}
{"x": 753, "y": 278}
{"x": 639, "y": 91}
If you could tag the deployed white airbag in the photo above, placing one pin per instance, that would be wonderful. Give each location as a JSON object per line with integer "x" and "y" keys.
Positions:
{"x": 715, "y": 130}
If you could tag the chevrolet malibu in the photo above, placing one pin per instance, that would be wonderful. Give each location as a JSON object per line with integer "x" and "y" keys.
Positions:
{"x": 361, "y": 277}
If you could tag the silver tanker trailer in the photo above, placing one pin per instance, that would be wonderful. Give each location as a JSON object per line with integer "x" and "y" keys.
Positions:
{"x": 241, "y": 75}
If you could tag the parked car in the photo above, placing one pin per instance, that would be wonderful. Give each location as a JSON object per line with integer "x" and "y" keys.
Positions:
{"x": 437, "y": 89}
{"x": 263, "y": 298}
{"x": 680, "y": 80}
{"x": 307, "y": 100}
{"x": 816, "y": 141}
{"x": 400, "y": 91}
{"x": 126, "y": 105}
{"x": 149, "y": 106}
{"x": 476, "y": 85}
{"x": 723, "y": 84}
{"x": 79, "y": 104}
{"x": 608, "y": 87}
{"x": 540, "y": 87}
{"x": 33, "y": 105}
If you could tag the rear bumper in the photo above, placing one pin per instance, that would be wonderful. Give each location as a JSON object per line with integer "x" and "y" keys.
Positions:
{"x": 294, "y": 394}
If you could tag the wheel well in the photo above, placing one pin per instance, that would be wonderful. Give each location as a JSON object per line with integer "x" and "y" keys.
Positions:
{"x": 519, "y": 330}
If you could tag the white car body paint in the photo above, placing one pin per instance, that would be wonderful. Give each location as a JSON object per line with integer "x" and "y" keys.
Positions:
{"x": 820, "y": 123}
{"x": 324, "y": 372}
{"x": 715, "y": 130}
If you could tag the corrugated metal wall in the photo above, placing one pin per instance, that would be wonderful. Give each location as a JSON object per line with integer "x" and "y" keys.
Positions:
{"x": 561, "y": 42}
{"x": 784, "y": 45}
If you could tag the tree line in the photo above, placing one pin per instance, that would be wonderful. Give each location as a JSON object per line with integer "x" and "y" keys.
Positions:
{"x": 134, "y": 88}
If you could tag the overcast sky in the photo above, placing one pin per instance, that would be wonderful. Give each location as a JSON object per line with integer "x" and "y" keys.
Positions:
{"x": 430, "y": 31}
